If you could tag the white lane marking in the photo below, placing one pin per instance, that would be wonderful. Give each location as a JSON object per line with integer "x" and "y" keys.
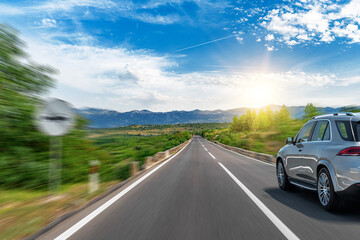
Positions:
{"x": 211, "y": 155}
{"x": 206, "y": 149}
{"x": 271, "y": 164}
{"x": 96, "y": 212}
{"x": 273, "y": 218}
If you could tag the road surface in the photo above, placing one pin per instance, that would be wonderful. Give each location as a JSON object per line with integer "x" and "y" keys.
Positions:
{"x": 207, "y": 192}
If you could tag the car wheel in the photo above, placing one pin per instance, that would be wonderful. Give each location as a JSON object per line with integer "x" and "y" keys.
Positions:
{"x": 325, "y": 189}
{"x": 281, "y": 175}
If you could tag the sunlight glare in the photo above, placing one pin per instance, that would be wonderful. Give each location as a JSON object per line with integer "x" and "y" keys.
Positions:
{"x": 260, "y": 95}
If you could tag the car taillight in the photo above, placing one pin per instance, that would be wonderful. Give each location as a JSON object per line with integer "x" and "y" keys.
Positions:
{"x": 351, "y": 151}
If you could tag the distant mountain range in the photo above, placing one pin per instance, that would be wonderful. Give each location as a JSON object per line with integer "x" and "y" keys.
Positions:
{"x": 102, "y": 118}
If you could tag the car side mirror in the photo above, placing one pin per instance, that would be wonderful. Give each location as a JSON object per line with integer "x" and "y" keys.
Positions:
{"x": 289, "y": 140}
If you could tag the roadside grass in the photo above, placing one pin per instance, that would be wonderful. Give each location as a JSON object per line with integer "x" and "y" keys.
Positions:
{"x": 137, "y": 147}
{"x": 23, "y": 212}
{"x": 152, "y": 130}
{"x": 267, "y": 141}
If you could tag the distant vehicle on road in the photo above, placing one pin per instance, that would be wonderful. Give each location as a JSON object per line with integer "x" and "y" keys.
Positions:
{"x": 325, "y": 157}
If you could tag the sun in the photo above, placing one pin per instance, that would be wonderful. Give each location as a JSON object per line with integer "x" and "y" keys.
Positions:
{"x": 259, "y": 96}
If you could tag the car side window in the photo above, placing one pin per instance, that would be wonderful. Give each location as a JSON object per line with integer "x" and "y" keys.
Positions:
{"x": 321, "y": 131}
{"x": 326, "y": 136}
{"x": 344, "y": 129}
{"x": 304, "y": 133}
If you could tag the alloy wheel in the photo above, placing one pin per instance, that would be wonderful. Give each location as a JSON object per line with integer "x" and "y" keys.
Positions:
{"x": 280, "y": 174}
{"x": 324, "y": 189}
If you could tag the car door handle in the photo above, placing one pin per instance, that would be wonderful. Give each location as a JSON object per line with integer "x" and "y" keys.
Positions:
{"x": 300, "y": 150}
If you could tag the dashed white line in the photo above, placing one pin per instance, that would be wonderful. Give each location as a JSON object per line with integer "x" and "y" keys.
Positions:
{"x": 68, "y": 233}
{"x": 273, "y": 218}
{"x": 206, "y": 149}
{"x": 212, "y": 155}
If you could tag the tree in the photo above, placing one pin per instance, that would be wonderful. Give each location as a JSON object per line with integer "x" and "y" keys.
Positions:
{"x": 21, "y": 83}
{"x": 235, "y": 126}
{"x": 262, "y": 120}
{"x": 270, "y": 114}
{"x": 310, "y": 111}
{"x": 353, "y": 109}
{"x": 283, "y": 114}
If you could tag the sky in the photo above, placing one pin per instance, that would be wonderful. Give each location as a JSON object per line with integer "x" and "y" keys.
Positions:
{"x": 182, "y": 55}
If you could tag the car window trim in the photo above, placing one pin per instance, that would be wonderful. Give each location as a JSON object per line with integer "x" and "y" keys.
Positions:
{"x": 311, "y": 132}
{"x": 338, "y": 128}
{"x": 330, "y": 129}
{"x": 326, "y": 128}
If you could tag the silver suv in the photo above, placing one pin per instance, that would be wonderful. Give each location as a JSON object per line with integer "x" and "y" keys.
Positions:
{"x": 324, "y": 157}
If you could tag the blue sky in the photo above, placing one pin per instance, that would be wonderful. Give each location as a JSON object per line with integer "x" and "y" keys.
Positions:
{"x": 183, "y": 55}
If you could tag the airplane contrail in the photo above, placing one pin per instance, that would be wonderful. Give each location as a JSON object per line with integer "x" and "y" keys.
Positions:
{"x": 219, "y": 39}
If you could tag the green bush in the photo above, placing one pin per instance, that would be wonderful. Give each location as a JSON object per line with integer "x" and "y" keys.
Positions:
{"x": 123, "y": 172}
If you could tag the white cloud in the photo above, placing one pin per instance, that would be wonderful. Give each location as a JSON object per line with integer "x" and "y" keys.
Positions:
{"x": 291, "y": 42}
{"x": 47, "y": 23}
{"x": 6, "y": 10}
{"x": 315, "y": 21}
{"x": 69, "y": 5}
{"x": 269, "y": 37}
{"x": 156, "y": 19}
{"x": 81, "y": 9}
{"x": 270, "y": 48}
{"x": 110, "y": 9}
{"x": 239, "y": 39}
{"x": 304, "y": 37}
{"x": 258, "y": 40}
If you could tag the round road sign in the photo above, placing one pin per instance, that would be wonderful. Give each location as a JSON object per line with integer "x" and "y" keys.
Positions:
{"x": 55, "y": 117}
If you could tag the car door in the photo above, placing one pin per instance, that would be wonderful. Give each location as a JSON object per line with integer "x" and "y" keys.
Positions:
{"x": 294, "y": 156}
{"x": 312, "y": 149}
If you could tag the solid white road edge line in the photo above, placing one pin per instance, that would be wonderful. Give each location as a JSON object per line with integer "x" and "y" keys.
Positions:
{"x": 273, "y": 218}
{"x": 271, "y": 164}
{"x": 211, "y": 155}
{"x": 100, "y": 209}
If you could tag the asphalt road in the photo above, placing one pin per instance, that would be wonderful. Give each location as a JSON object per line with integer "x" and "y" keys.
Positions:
{"x": 192, "y": 196}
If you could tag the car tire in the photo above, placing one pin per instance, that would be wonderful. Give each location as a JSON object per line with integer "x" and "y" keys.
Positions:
{"x": 281, "y": 176}
{"x": 326, "y": 194}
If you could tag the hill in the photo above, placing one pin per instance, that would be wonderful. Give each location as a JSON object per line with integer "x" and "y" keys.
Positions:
{"x": 103, "y": 118}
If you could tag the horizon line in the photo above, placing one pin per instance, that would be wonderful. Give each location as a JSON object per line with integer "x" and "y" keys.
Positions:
{"x": 84, "y": 108}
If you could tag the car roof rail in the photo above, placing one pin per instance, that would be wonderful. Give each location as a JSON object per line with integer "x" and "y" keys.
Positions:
{"x": 335, "y": 114}
{"x": 346, "y": 113}
{"x": 323, "y": 115}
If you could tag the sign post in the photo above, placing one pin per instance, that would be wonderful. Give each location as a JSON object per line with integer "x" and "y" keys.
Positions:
{"x": 55, "y": 147}
{"x": 55, "y": 118}
{"x": 94, "y": 176}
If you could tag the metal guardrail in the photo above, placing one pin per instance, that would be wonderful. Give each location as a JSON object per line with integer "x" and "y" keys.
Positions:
{"x": 260, "y": 156}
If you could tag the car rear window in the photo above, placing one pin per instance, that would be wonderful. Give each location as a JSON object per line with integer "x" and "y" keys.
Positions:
{"x": 344, "y": 129}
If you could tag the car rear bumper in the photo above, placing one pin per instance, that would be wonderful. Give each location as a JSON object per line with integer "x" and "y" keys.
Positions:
{"x": 347, "y": 171}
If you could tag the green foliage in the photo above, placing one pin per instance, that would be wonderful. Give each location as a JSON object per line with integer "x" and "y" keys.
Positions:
{"x": 264, "y": 119}
{"x": 127, "y": 148}
{"x": 310, "y": 111}
{"x": 353, "y": 109}
{"x": 122, "y": 172}
{"x": 21, "y": 82}
{"x": 264, "y": 131}
{"x": 282, "y": 115}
